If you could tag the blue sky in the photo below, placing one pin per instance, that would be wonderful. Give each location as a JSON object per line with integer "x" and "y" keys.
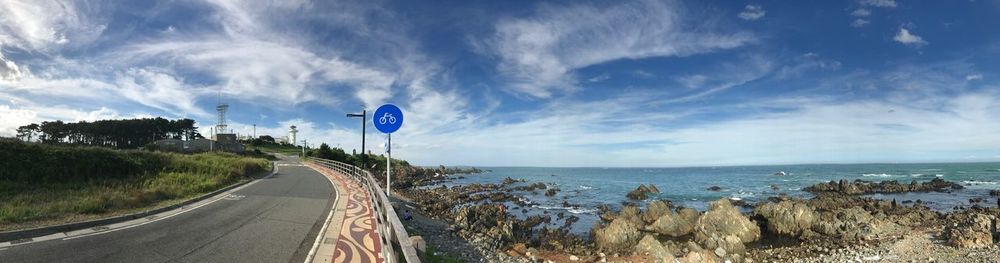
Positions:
{"x": 531, "y": 83}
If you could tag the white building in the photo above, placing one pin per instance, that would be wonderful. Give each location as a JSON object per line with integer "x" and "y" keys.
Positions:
{"x": 291, "y": 135}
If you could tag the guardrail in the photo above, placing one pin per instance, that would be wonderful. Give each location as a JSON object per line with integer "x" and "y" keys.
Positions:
{"x": 390, "y": 229}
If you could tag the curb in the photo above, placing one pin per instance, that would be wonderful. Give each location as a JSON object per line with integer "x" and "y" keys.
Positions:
{"x": 48, "y": 230}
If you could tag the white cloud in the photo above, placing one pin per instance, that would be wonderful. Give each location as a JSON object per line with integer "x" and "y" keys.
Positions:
{"x": 255, "y": 70}
{"x": 752, "y": 12}
{"x": 859, "y": 22}
{"x": 861, "y": 12}
{"x": 159, "y": 90}
{"x": 539, "y": 54}
{"x": 693, "y": 81}
{"x": 47, "y": 25}
{"x": 9, "y": 71}
{"x": 974, "y": 77}
{"x": 879, "y": 3}
{"x": 904, "y": 36}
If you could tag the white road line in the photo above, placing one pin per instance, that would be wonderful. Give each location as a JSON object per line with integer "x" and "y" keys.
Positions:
{"x": 132, "y": 223}
{"x": 322, "y": 231}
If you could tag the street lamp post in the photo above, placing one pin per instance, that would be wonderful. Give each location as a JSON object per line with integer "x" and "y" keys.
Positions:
{"x": 364, "y": 119}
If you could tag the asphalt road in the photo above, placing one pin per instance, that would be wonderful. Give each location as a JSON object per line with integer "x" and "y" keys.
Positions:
{"x": 273, "y": 220}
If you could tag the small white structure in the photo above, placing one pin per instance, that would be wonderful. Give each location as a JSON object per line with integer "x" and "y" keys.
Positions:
{"x": 291, "y": 135}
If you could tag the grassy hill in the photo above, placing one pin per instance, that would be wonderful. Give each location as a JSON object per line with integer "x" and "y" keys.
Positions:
{"x": 48, "y": 184}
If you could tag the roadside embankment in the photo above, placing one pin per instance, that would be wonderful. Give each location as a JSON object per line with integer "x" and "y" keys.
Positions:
{"x": 52, "y": 184}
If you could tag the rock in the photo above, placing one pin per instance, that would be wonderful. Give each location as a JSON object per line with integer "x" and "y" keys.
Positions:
{"x": 674, "y": 225}
{"x": 775, "y": 187}
{"x": 650, "y": 246}
{"x": 720, "y": 252}
{"x": 574, "y": 258}
{"x": 789, "y": 218}
{"x": 632, "y": 214}
{"x": 699, "y": 257}
{"x": 653, "y": 190}
{"x": 994, "y": 192}
{"x": 655, "y": 210}
{"x": 619, "y": 236}
{"x": 724, "y": 226}
{"x": 418, "y": 243}
{"x": 641, "y": 192}
{"x": 551, "y": 191}
{"x": 865, "y": 187}
{"x": 974, "y": 232}
{"x": 520, "y": 248}
{"x": 850, "y": 224}
{"x": 715, "y": 188}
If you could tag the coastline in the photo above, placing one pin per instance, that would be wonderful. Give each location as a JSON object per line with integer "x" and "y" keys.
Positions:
{"x": 916, "y": 232}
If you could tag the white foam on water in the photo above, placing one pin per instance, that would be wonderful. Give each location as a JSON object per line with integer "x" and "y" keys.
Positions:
{"x": 582, "y": 211}
{"x": 979, "y": 182}
{"x": 938, "y": 175}
{"x": 917, "y": 175}
{"x": 584, "y": 187}
{"x": 877, "y": 175}
{"x": 573, "y": 210}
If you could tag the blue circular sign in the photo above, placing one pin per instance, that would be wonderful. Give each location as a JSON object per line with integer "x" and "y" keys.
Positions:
{"x": 388, "y": 118}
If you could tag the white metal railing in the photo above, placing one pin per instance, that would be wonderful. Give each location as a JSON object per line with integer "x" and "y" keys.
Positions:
{"x": 390, "y": 229}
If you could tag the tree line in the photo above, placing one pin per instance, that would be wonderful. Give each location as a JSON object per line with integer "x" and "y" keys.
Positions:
{"x": 120, "y": 134}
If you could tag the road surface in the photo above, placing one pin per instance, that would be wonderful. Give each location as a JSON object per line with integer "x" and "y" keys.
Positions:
{"x": 273, "y": 220}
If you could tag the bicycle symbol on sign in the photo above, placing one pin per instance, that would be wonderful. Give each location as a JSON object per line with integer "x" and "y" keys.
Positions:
{"x": 387, "y": 118}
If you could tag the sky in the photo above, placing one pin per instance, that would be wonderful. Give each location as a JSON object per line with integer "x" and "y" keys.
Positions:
{"x": 531, "y": 83}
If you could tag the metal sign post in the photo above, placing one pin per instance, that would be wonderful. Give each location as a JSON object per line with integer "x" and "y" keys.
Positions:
{"x": 387, "y": 119}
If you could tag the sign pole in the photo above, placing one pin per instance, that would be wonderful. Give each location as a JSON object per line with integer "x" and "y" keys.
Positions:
{"x": 388, "y": 166}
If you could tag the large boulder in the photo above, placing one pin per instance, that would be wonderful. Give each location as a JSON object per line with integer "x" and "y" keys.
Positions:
{"x": 723, "y": 226}
{"x": 788, "y": 217}
{"x": 485, "y": 223}
{"x": 650, "y": 246}
{"x": 974, "y": 232}
{"x": 852, "y": 224}
{"x": 632, "y": 214}
{"x": 675, "y": 224}
{"x": 655, "y": 210}
{"x": 618, "y": 237}
{"x": 641, "y": 192}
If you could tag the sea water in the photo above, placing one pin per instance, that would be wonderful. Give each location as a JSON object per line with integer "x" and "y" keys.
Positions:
{"x": 591, "y": 187}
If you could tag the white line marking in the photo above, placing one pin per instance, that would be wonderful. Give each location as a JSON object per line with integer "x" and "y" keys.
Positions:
{"x": 329, "y": 216}
{"x": 128, "y": 224}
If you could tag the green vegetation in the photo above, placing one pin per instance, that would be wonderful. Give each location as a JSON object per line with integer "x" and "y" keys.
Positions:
{"x": 277, "y": 148}
{"x": 44, "y": 183}
{"x": 121, "y": 134}
{"x": 430, "y": 256}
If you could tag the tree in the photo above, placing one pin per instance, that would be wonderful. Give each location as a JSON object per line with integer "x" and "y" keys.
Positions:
{"x": 122, "y": 134}
{"x": 267, "y": 139}
{"x": 27, "y": 131}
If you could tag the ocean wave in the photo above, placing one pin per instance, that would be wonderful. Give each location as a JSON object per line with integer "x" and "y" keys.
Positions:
{"x": 938, "y": 175}
{"x": 916, "y": 175}
{"x": 979, "y": 182}
{"x": 573, "y": 210}
{"x": 877, "y": 175}
{"x": 525, "y": 200}
{"x": 741, "y": 195}
{"x": 584, "y": 187}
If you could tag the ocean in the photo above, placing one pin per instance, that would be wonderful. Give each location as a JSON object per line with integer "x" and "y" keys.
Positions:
{"x": 590, "y": 187}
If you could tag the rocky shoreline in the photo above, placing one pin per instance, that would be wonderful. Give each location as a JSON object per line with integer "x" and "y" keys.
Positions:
{"x": 837, "y": 225}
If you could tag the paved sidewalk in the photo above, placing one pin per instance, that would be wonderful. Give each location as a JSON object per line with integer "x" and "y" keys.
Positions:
{"x": 351, "y": 236}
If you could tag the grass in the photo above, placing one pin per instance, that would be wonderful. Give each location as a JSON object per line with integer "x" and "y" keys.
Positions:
{"x": 82, "y": 192}
{"x": 429, "y": 256}
{"x": 277, "y": 148}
